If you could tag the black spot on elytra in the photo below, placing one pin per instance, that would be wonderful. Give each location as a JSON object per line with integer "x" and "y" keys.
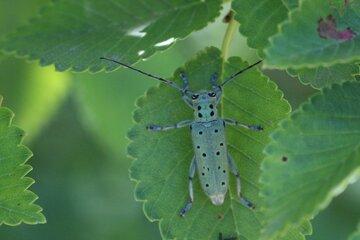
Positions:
{"x": 284, "y": 159}
{"x": 200, "y": 133}
{"x": 216, "y": 130}
{"x": 204, "y": 154}
{"x": 203, "y": 174}
{"x": 223, "y": 183}
{"x": 207, "y": 185}
{"x": 199, "y": 107}
{"x": 224, "y": 171}
{"x": 221, "y": 144}
{"x": 219, "y": 167}
{"x": 211, "y": 106}
{"x": 218, "y": 153}
{"x": 212, "y": 113}
{"x": 198, "y": 147}
{"x": 200, "y": 115}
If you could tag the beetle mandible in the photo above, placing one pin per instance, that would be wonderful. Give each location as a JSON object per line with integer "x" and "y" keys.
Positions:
{"x": 211, "y": 160}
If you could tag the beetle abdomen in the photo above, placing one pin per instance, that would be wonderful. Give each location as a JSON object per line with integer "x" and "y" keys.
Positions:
{"x": 211, "y": 156}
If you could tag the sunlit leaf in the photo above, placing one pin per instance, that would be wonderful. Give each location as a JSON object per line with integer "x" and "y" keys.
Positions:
{"x": 16, "y": 201}
{"x": 316, "y": 34}
{"x": 163, "y": 158}
{"x": 75, "y": 34}
{"x": 312, "y": 157}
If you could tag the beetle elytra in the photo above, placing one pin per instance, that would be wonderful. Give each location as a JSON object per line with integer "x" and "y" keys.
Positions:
{"x": 211, "y": 160}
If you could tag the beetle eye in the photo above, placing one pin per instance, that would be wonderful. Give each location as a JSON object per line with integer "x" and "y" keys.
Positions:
{"x": 195, "y": 96}
{"x": 212, "y": 94}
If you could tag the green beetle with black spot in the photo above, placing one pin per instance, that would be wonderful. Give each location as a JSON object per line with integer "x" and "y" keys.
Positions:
{"x": 211, "y": 160}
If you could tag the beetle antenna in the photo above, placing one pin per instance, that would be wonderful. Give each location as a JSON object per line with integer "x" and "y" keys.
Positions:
{"x": 234, "y": 75}
{"x": 167, "y": 82}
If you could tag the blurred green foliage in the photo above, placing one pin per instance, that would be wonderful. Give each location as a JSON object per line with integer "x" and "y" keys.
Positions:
{"x": 79, "y": 139}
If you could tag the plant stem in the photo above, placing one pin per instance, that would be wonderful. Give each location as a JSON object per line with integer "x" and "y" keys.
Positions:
{"x": 232, "y": 27}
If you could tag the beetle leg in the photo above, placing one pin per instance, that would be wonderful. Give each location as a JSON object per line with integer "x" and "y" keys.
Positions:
{"x": 185, "y": 80}
{"x": 181, "y": 124}
{"x": 236, "y": 123}
{"x": 235, "y": 171}
{"x": 188, "y": 205}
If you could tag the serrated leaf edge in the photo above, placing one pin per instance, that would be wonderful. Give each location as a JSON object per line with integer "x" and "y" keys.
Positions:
{"x": 351, "y": 178}
{"x": 29, "y": 168}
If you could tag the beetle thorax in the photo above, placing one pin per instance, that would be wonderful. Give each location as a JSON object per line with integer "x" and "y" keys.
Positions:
{"x": 205, "y": 107}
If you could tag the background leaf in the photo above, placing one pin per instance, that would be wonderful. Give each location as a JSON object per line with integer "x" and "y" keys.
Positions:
{"x": 34, "y": 93}
{"x": 85, "y": 190}
{"x": 76, "y": 34}
{"x": 325, "y": 76}
{"x": 162, "y": 159}
{"x": 299, "y": 44}
{"x": 259, "y": 22}
{"x": 312, "y": 157}
{"x": 356, "y": 234}
{"x": 16, "y": 201}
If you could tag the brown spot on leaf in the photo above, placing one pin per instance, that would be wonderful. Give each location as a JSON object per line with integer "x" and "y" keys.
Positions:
{"x": 327, "y": 29}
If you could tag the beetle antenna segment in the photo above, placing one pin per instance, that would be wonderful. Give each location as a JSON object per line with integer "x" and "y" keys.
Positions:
{"x": 239, "y": 72}
{"x": 167, "y": 82}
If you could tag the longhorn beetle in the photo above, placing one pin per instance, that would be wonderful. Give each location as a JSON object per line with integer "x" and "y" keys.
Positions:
{"x": 212, "y": 160}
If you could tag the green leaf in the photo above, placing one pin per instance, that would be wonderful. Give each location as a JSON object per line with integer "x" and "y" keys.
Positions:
{"x": 312, "y": 157}
{"x": 34, "y": 93}
{"x": 163, "y": 158}
{"x": 259, "y": 22}
{"x": 301, "y": 44}
{"x": 325, "y": 76}
{"x": 16, "y": 201}
{"x": 75, "y": 34}
{"x": 16, "y": 12}
{"x": 356, "y": 234}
